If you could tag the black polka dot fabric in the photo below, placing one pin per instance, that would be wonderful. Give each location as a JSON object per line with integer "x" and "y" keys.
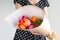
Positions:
{"x": 22, "y": 2}
{"x": 27, "y": 35}
{"x": 41, "y": 4}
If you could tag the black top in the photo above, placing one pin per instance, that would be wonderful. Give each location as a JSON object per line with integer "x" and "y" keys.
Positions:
{"x": 27, "y": 35}
{"x": 41, "y": 4}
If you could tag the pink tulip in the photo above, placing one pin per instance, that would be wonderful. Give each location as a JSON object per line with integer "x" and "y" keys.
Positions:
{"x": 31, "y": 26}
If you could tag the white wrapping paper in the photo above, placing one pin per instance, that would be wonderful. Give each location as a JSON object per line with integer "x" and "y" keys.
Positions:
{"x": 44, "y": 28}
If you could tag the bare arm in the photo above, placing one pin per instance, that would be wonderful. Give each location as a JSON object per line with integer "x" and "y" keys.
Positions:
{"x": 17, "y": 6}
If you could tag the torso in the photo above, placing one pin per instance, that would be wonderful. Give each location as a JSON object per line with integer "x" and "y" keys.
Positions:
{"x": 41, "y": 4}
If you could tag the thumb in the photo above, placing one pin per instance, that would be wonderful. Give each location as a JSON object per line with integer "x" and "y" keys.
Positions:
{"x": 54, "y": 36}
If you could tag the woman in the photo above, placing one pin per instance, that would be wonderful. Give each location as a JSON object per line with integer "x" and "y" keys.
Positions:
{"x": 27, "y": 35}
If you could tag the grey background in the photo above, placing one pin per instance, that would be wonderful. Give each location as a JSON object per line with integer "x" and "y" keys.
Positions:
{"x": 7, "y": 7}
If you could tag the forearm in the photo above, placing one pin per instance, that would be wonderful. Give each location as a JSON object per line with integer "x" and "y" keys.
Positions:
{"x": 17, "y": 6}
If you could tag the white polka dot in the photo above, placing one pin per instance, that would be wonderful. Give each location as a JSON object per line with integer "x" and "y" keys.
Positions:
{"x": 24, "y": 38}
{"x": 23, "y": 1}
{"x": 19, "y": 39}
{"x": 16, "y": 33}
{"x": 16, "y": 38}
{"x": 25, "y": 35}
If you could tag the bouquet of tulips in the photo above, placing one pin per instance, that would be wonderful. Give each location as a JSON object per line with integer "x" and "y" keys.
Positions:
{"x": 29, "y": 23}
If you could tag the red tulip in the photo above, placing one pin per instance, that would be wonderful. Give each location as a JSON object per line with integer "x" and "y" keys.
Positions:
{"x": 24, "y": 16}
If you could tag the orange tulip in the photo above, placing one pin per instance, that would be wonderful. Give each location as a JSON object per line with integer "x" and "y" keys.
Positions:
{"x": 34, "y": 19}
{"x": 22, "y": 27}
{"x": 26, "y": 22}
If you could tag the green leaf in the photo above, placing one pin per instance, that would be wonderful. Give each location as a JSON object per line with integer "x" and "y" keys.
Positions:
{"x": 37, "y": 22}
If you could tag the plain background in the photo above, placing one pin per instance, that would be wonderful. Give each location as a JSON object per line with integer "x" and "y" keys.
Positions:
{"x": 7, "y": 7}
